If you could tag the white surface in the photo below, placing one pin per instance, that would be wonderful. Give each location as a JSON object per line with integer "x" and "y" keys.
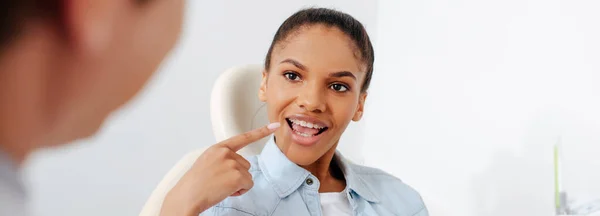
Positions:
{"x": 114, "y": 173}
{"x": 335, "y": 204}
{"x": 153, "y": 205}
{"x": 235, "y": 107}
{"x": 469, "y": 96}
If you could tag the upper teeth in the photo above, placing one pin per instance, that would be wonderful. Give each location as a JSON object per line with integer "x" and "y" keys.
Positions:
{"x": 305, "y": 124}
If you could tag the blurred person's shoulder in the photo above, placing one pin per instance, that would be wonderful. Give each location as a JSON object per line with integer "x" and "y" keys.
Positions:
{"x": 12, "y": 194}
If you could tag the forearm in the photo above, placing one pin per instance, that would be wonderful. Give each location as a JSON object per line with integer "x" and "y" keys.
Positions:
{"x": 175, "y": 205}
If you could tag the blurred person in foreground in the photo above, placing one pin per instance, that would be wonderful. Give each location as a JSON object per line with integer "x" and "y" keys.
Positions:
{"x": 65, "y": 65}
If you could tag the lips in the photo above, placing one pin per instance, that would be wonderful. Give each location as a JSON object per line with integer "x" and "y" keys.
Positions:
{"x": 306, "y": 130}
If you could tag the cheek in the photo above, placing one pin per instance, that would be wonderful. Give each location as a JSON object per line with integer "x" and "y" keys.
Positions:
{"x": 158, "y": 31}
{"x": 144, "y": 41}
{"x": 279, "y": 97}
{"x": 343, "y": 110}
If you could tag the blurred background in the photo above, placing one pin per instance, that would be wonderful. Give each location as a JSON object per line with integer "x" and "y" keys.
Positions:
{"x": 467, "y": 100}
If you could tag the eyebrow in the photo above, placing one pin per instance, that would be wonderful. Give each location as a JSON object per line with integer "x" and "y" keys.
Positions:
{"x": 335, "y": 74}
{"x": 294, "y": 62}
{"x": 343, "y": 74}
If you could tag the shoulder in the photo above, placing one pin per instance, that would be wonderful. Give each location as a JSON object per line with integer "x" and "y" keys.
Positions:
{"x": 390, "y": 190}
{"x": 12, "y": 200}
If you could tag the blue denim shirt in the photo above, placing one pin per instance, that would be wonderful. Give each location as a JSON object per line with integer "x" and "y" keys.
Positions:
{"x": 283, "y": 188}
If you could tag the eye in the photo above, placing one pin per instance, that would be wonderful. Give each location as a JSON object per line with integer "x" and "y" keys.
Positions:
{"x": 339, "y": 87}
{"x": 291, "y": 76}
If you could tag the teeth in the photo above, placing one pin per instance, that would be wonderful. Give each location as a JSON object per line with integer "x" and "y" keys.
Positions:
{"x": 303, "y": 134}
{"x": 305, "y": 124}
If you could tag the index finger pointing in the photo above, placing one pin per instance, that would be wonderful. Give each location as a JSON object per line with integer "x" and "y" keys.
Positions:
{"x": 238, "y": 142}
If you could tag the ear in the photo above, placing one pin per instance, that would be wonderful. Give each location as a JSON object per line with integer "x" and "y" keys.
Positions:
{"x": 89, "y": 24}
{"x": 361, "y": 107}
{"x": 262, "y": 91}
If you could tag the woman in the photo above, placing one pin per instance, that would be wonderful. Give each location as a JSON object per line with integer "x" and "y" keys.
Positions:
{"x": 317, "y": 72}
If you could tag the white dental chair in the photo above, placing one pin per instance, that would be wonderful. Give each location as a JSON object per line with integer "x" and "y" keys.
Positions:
{"x": 234, "y": 109}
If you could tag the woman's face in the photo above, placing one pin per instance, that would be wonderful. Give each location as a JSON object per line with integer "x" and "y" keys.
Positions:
{"x": 313, "y": 88}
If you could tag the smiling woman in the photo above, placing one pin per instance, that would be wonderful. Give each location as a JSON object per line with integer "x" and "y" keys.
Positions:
{"x": 317, "y": 72}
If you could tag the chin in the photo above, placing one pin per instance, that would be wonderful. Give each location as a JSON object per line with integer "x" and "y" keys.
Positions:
{"x": 82, "y": 132}
{"x": 90, "y": 132}
{"x": 304, "y": 155}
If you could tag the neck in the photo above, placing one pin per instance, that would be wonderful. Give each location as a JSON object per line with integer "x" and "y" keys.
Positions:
{"x": 24, "y": 67}
{"x": 328, "y": 172}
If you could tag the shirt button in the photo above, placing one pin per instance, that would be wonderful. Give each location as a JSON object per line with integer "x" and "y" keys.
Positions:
{"x": 309, "y": 181}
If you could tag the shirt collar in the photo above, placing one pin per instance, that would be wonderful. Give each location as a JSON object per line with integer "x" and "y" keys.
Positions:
{"x": 286, "y": 176}
{"x": 354, "y": 182}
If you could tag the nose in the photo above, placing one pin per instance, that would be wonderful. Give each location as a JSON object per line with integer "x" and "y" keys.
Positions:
{"x": 311, "y": 98}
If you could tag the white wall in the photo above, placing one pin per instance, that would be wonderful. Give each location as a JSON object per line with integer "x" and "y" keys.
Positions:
{"x": 114, "y": 173}
{"x": 469, "y": 96}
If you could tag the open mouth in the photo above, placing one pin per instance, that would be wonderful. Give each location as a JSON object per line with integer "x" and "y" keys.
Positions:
{"x": 306, "y": 128}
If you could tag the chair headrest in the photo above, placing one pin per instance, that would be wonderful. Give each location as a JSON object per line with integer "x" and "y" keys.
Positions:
{"x": 235, "y": 107}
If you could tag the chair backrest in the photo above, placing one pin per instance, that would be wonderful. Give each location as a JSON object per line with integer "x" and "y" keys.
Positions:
{"x": 235, "y": 107}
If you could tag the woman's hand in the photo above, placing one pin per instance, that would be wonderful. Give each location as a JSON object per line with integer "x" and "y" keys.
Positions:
{"x": 217, "y": 174}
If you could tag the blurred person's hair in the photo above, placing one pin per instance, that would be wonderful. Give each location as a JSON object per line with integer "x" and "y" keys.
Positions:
{"x": 330, "y": 18}
{"x": 15, "y": 14}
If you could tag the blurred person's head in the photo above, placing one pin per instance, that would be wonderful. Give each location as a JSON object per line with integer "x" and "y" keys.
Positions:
{"x": 317, "y": 72}
{"x": 65, "y": 65}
